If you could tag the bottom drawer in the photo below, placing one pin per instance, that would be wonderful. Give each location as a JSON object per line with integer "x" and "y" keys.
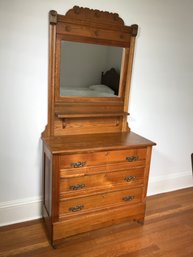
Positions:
{"x": 82, "y": 223}
{"x": 94, "y": 202}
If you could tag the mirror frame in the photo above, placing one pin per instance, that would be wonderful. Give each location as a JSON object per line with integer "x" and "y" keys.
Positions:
{"x": 88, "y": 26}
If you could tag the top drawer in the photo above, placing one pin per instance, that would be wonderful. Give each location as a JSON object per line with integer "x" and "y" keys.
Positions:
{"x": 96, "y": 158}
{"x": 83, "y": 160}
{"x": 131, "y": 155}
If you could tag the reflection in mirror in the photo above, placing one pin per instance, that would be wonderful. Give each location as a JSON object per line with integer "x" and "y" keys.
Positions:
{"x": 89, "y": 70}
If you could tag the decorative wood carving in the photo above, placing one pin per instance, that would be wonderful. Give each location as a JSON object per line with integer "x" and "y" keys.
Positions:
{"x": 91, "y": 15}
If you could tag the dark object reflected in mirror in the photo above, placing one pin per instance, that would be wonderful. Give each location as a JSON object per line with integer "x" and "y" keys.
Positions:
{"x": 89, "y": 70}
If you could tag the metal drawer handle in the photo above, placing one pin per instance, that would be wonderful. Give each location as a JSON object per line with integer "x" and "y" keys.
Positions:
{"x": 132, "y": 158}
{"x": 77, "y": 187}
{"x": 76, "y": 208}
{"x": 130, "y": 178}
{"x": 78, "y": 164}
{"x": 128, "y": 198}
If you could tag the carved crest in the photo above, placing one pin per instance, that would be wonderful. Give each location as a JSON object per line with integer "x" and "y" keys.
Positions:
{"x": 95, "y": 15}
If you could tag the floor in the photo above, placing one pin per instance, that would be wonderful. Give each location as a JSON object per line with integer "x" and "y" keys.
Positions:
{"x": 167, "y": 232}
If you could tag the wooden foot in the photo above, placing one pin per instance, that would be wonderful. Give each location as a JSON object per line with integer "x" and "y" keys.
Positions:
{"x": 140, "y": 221}
{"x": 53, "y": 245}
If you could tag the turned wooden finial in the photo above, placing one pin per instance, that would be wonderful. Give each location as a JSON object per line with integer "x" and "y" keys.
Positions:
{"x": 53, "y": 17}
{"x": 134, "y": 29}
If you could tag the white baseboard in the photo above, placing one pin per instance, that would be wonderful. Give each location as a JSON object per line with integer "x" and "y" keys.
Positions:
{"x": 20, "y": 210}
{"x": 29, "y": 209}
{"x": 170, "y": 182}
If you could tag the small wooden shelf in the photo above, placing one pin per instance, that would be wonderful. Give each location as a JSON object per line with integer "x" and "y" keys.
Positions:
{"x": 89, "y": 115}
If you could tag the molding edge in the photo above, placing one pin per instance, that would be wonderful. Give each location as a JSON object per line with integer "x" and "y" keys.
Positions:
{"x": 21, "y": 210}
{"x": 170, "y": 182}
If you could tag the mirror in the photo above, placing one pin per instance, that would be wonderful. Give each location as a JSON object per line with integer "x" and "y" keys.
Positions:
{"x": 89, "y": 70}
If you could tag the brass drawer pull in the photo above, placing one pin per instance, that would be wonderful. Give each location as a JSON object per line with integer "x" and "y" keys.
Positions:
{"x": 76, "y": 208}
{"x": 130, "y": 178}
{"x": 128, "y": 198}
{"x": 78, "y": 164}
{"x": 132, "y": 158}
{"x": 77, "y": 187}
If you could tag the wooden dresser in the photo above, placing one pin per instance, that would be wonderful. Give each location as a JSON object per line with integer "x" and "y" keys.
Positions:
{"x": 95, "y": 169}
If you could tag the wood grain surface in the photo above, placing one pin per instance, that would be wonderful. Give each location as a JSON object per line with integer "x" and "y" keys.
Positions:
{"x": 167, "y": 232}
{"x": 105, "y": 141}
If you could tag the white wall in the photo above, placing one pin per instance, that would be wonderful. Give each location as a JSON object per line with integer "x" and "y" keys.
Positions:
{"x": 115, "y": 58}
{"x": 82, "y": 64}
{"x": 161, "y": 101}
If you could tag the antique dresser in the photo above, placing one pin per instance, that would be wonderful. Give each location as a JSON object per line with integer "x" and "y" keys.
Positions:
{"x": 95, "y": 169}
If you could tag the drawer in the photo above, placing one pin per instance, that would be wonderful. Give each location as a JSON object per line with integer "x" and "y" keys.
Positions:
{"x": 83, "y": 223}
{"x": 74, "y": 161}
{"x": 118, "y": 166}
{"x": 100, "y": 201}
{"x": 106, "y": 180}
{"x": 83, "y": 160}
{"x": 128, "y": 156}
{"x": 132, "y": 156}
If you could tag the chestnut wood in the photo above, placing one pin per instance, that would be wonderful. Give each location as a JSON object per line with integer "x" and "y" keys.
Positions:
{"x": 85, "y": 125}
{"x": 109, "y": 141}
{"x": 89, "y": 115}
{"x": 103, "y": 180}
{"x": 168, "y": 231}
{"x": 95, "y": 170}
{"x": 93, "y": 26}
{"x": 107, "y": 217}
{"x": 96, "y": 202}
{"x": 81, "y": 156}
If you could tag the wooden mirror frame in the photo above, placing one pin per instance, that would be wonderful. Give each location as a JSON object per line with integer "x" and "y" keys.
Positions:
{"x": 97, "y": 27}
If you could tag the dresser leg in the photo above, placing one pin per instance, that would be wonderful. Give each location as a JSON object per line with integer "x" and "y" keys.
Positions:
{"x": 140, "y": 221}
{"x": 53, "y": 246}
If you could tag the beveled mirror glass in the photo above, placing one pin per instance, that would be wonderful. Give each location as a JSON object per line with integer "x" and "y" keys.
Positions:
{"x": 89, "y": 70}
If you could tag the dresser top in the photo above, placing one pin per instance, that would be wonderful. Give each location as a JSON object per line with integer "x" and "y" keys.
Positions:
{"x": 95, "y": 142}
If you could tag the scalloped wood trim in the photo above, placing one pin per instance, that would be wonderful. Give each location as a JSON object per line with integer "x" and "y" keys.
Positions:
{"x": 81, "y": 13}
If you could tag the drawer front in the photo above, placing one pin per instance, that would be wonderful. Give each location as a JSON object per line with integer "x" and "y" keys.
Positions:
{"x": 100, "y": 201}
{"x": 118, "y": 166}
{"x": 74, "y": 161}
{"x": 82, "y": 160}
{"x": 129, "y": 156}
{"x": 95, "y": 220}
{"x": 107, "y": 180}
